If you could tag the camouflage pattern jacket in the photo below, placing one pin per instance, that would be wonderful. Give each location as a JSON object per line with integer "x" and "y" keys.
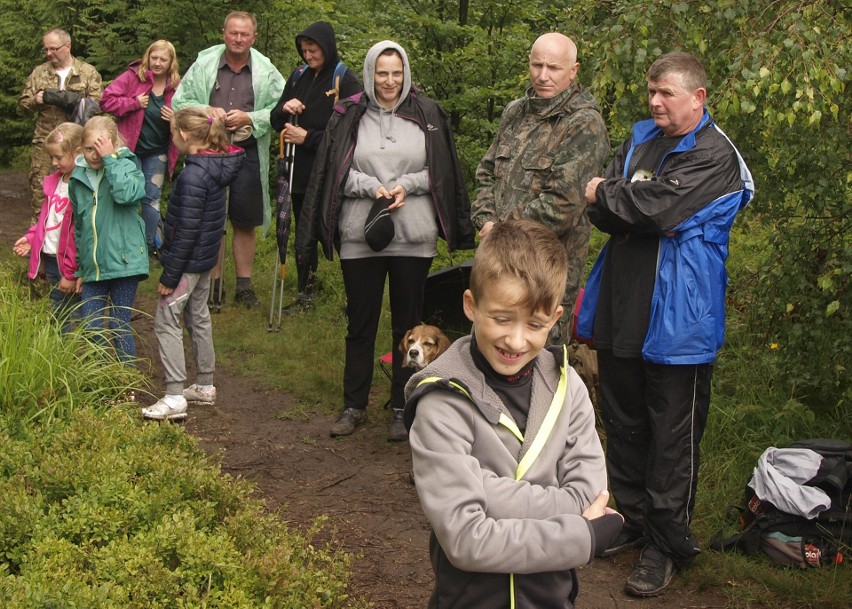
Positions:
{"x": 83, "y": 79}
{"x": 537, "y": 167}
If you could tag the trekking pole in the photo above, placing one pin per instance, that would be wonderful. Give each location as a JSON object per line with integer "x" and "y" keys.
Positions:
{"x": 220, "y": 263}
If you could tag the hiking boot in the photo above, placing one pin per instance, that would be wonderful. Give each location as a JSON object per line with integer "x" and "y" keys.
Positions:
{"x": 247, "y": 298}
{"x": 652, "y": 574}
{"x": 626, "y": 540}
{"x": 348, "y": 420}
{"x": 303, "y": 304}
{"x": 216, "y": 298}
{"x": 197, "y": 395}
{"x": 397, "y": 431}
{"x": 170, "y": 408}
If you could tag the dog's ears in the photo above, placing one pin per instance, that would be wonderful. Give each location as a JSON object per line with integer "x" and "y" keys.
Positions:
{"x": 443, "y": 342}
{"x": 403, "y": 344}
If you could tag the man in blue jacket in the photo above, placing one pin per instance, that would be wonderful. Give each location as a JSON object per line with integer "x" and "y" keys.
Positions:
{"x": 655, "y": 306}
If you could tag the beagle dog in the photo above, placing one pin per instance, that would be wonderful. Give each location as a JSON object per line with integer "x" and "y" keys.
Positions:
{"x": 421, "y": 345}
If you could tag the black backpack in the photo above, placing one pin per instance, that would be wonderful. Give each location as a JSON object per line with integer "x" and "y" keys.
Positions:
{"x": 791, "y": 539}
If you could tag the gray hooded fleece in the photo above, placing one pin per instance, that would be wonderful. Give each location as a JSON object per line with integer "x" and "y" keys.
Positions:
{"x": 390, "y": 151}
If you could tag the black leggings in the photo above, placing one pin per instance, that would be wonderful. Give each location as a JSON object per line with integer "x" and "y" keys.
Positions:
{"x": 364, "y": 281}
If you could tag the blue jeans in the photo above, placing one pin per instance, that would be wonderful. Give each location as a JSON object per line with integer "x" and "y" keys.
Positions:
{"x": 108, "y": 305}
{"x": 154, "y": 169}
{"x": 65, "y": 306}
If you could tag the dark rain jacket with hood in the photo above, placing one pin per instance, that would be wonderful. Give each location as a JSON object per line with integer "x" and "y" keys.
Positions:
{"x": 195, "y": 220}
{"x": 311, "y": 88}
{"x": 447, "y": 190}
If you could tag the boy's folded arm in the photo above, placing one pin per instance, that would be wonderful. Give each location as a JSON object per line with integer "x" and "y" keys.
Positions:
{"x": 454, "y": 499}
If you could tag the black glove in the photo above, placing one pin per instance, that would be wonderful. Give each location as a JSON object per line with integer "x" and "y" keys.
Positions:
{"x": 66, "y": 100}
{"x": 604, "y": 531}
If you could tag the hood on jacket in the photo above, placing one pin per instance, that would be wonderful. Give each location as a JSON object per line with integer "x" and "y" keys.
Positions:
{"x": 222, "y": 167}
{"x": 323, "y": 34}
{"x": 571, "y": 100}
{"x": 370, "y": 71}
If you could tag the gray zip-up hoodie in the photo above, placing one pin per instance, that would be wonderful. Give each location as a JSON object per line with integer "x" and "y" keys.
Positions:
{"x": 390, "y": 151}
{"x": 504, "y": 505}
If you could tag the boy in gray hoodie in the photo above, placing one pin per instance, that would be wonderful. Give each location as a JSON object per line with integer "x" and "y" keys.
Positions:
{"x": 509, "y": 468}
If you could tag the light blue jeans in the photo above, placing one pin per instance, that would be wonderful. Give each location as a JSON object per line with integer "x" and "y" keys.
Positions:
{"x": 154, "y": 169}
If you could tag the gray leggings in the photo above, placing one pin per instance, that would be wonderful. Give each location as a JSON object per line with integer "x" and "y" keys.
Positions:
{"x": 189, "y": 298}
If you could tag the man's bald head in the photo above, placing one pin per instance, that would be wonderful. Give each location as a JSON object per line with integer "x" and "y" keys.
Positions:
{"x": 553, "y": 64}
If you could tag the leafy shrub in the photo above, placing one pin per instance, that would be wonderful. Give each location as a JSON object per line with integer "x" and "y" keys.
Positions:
{"x": 100, "y": 510}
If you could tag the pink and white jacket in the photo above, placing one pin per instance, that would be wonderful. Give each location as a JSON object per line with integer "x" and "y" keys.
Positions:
{"x": 66, "y": 253}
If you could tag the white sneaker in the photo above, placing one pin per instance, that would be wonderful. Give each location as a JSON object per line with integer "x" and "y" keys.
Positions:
{"x": 195, "y": 393}
{"x": 170, "y": 408}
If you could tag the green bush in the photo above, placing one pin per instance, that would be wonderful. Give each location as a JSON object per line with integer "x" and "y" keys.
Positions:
{"x": 100, "y": 510}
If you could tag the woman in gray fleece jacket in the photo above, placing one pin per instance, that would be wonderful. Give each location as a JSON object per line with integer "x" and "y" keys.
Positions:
{"x": 388, "y": 142}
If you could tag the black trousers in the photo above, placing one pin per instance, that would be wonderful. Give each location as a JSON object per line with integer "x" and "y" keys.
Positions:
{"x": 305, "y": 269}
{"x": 364, "y": 282}
{"x": 654, "y": 416}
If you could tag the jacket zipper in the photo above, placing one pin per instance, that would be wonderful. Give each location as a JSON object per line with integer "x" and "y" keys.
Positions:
{"x": 95, "y": 236}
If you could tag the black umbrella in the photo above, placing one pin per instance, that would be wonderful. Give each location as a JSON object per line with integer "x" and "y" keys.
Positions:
{"x": 442, "y": 299}
{"x": 283, "y": 211}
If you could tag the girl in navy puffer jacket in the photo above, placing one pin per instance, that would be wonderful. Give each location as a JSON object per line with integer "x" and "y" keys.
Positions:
{"x": 195, "y": 224}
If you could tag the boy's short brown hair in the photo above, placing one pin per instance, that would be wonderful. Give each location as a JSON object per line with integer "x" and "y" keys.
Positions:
{"x": 526, "y": 251}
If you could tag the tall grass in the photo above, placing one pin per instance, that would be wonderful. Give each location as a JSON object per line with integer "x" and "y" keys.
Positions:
{"x": 44, "y": 375}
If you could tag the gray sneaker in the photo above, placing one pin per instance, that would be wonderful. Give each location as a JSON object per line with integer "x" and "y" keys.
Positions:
{"x": 348, "y": 420}
{"x": 652, "y": 574}
{"x": 197, "y": 395}
{"x": 397, "y": 431}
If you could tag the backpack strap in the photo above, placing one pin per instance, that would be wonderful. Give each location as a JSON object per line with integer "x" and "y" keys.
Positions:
{"x": 339, "y": 70}
{"x": 297, "y": 73}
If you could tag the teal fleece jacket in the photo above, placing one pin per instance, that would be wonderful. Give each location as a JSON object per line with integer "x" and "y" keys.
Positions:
{"x": 108, "y": 229}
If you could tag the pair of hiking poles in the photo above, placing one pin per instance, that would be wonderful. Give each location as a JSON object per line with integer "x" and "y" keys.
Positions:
{"x": 283, "y": 211}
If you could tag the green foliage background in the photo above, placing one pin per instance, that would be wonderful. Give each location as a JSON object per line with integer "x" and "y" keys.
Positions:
{"x": 778, "y": 80}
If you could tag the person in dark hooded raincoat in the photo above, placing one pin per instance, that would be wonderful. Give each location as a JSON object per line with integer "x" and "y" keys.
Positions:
{"x": 308, "y": 97}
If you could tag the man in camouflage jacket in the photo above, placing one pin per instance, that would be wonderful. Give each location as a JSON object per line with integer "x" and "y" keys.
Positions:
{"x": 52, "y": 92}
{"x": 550, "y": 143}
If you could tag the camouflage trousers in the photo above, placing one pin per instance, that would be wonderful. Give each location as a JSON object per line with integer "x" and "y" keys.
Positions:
{"x": 39, "y": 168}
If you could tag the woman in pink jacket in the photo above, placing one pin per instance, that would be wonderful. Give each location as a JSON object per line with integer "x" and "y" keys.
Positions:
{"x": 141, "y": 99}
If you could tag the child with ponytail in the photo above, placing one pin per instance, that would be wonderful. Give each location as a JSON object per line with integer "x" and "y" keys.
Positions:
{"x": 194, "y": 227}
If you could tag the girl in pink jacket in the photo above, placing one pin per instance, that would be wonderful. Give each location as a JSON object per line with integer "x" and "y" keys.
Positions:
{"x": 50, "y": 241}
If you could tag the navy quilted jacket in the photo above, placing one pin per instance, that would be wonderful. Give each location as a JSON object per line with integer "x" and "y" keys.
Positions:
{"x": 195, "y": 219}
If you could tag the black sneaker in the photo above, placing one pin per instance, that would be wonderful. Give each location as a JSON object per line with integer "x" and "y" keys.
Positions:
{"x": 397, "y": 431}
{"x": 626, "y": 540}
{"x": 247, "y": 298}
{"x": 216, "y": 298}
{"x": 303, "y": 304}
{"x": 652, "y": 574}
{"x": 348, "y": 420}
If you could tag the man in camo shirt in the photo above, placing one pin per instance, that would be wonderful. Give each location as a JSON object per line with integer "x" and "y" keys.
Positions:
{"x": 550, "y": 143}
{"x": 52, "y": 91}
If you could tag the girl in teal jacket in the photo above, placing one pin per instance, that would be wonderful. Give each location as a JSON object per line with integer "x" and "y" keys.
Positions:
{"x": 112, "y": 258}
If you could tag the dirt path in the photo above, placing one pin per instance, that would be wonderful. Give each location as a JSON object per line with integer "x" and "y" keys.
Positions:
{"x": 361, "y": 482}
